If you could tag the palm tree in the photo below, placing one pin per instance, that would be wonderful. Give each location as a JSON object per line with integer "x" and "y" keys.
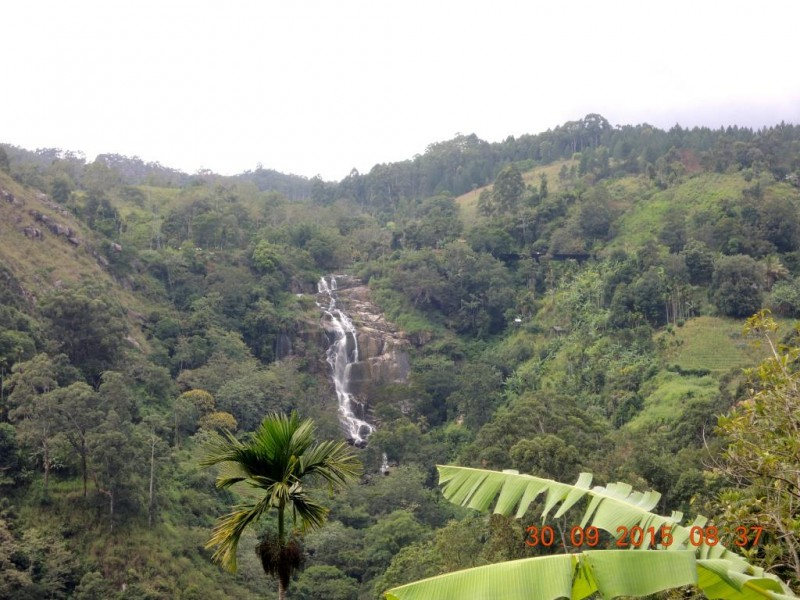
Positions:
{"x": 278, "y": 460}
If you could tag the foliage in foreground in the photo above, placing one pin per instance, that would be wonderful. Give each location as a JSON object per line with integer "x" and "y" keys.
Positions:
{"x": 717, "y": 571}
{"x": 762, "y": 459}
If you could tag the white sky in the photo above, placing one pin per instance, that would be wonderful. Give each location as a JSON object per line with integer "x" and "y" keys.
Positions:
{"x": 319, "y": 87}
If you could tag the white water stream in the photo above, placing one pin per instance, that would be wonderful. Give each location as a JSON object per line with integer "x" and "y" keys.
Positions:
{"x": 342, "y": 353}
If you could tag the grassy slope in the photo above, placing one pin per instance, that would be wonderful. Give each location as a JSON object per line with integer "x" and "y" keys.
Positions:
{"x": 666, "y": 394}
{"x": 43, "y": 265}
{"x": 708, "y": 343}
{"x": 40, "y": 264}
{"x": 468, "y": 202}
{"x": 712, "y": 343}
{"x": 645, "y": 212}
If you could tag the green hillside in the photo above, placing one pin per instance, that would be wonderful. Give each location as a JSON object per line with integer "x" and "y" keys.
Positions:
{"x": 568, "y": 301}
{"x": 712, "y": 343}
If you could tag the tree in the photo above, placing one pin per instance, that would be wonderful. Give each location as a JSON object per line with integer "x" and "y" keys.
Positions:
{"x": 785, "y": 298}
{"x": 266, "y": 257}
{"x": 650, "y": 296}
{"x": 154, "y": 430}
{"x": 119, "y": 461}
{"x": 679, "y": 557}
{"x": 279, "y": 459}
{"x": 325, "y": 583}
{"x": 35, "y": 407}
{"x": 699, "y": 261}
{"x": 486, "y": 206}
{"x": 218, "y": 420}
{"x": 60, "y": 189}
{"x": 9, "y": 455}
{"x": 88, "y": 326}
{"x": 508, "y": 189}
{"x": 79, "y": 408}
{"x": 391, "y": 533}
{"x": 737, "y": 285}
{"x": 437, "y": 222}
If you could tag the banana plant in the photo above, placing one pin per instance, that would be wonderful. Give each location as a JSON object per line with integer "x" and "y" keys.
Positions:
{"x": 681, "y": 554}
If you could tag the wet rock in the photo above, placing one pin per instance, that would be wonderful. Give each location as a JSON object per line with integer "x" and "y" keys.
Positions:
{"x": 382, "y": 348}
{"x": 364, "y": 351}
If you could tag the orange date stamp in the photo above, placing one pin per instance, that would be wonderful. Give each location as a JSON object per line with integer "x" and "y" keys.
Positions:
{"x": 638, "y": 537}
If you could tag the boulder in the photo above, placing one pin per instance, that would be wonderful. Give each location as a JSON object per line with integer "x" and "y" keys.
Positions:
{"x": 10, "y": 198}
{"x": 33, "y": 233}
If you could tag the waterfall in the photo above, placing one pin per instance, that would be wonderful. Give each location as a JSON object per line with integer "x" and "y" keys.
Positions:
{"x": 342, "y": 353}
{"x": 384, "y": 464}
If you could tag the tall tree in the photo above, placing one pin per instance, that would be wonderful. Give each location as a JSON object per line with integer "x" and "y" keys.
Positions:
{"x": 280, "y": 459}
{"x": 119, "y": 461}
{"x": 508, "y": 189}
{"x": 78, "y": 405}
{"x": 35, "y": 407}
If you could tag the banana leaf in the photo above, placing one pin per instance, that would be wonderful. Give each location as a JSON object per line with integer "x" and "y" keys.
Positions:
{"x": 715, "y": 569}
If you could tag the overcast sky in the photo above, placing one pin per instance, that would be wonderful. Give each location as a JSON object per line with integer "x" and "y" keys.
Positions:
{"x": 319, "y": 87}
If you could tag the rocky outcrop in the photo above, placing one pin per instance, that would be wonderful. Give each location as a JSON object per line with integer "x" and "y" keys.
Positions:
{"x": 33, "y": 232}
{"x": 10, "y": 198}
{"x": 382, "y": 347}
{"x": 56, "y": 228}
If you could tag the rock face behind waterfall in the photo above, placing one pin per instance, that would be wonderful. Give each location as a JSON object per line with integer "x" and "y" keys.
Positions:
{"x": 382, "y": 348}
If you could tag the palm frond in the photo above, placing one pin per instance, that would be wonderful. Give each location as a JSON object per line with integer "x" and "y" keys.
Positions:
{"x": 332, "y": 461}
{"x": 280, "y": 436}
{"x": 230, "y": 473}
{"x": 307, "y": 513}
{"x": 228, "y": 530}
{"x": 221, "y": 448}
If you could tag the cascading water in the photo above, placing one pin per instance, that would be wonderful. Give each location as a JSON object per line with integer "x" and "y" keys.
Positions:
{"x": 384, "y": 464}
{"x": 342, "y": 353}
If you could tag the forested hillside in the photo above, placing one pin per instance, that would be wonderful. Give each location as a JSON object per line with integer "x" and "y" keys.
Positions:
{"x": 572, "y": 301}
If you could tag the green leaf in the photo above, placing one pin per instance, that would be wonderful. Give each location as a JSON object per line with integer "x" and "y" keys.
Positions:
{"x": 612, "y": 573}
{"x": 542, "y": 578}
{"x": 719, "y": 572}
{"x": 623, "y": 573}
